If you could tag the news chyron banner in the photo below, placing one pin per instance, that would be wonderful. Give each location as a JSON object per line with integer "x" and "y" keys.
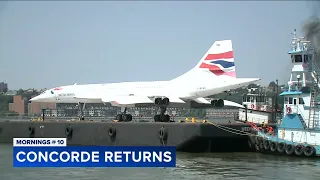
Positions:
{"x": 54, "y": 152}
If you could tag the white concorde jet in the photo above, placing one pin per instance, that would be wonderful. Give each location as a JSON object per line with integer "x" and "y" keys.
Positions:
{"x": 215, "y": 73}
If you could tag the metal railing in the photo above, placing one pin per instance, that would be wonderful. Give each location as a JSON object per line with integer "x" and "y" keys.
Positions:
{"x": 252, "y": 119}
{"x": 303, "y": 120}
{"x": 71, "y": 118}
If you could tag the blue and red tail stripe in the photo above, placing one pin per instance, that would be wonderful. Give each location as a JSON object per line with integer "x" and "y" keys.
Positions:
{"x": 226, "y": 55}
{"x": 214, "y": 61}
{"x": 223, "y": 63}
{"x": 217, "y": 70}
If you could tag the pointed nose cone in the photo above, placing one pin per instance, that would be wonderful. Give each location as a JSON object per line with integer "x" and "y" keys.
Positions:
{"x": 33, "y": 99}
{"x": 36, "y": 98}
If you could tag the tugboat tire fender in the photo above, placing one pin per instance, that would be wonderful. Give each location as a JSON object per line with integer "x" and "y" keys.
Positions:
{"x": 258, "y": 140}
{"x": 298, "y": 150}
{"x": 112, "y": 131}
{"x": 250, "y": 144}
{"x": 266, "y": 144}
{"x": 69, "y": 131}
{"x": 257, "y": 147}
{"x": 281, "y": 147}
{"x": 252, "y": 140}
{"x": 163, "y": 134}
{"x": 290, "y": 149}
{"x": 309, "y": 151}
{"x": 261, "y": 146}
{"x": 31, "y": 130}
{"x": 273, "y": 146}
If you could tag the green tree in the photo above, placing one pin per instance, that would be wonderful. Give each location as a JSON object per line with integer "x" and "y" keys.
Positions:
{"x": 252, "y": 85}
{"x": 4, "y": 104}
{"x": 20, "y": 92}
{"x": 272, "y": 85}
{"x": 199, "y": 113}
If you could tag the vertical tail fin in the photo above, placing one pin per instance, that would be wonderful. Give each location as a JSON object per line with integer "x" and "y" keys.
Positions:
{"x": 217, "y": 61}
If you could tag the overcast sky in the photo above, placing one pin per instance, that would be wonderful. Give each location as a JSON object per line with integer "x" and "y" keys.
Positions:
{"x": 47, "y": 44}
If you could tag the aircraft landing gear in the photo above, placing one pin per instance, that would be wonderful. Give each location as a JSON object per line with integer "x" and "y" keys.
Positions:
{"x": 162, "y": 117}
{"x": 124, "y": 116}
{"x": 81, "y": 107}
{"x": 228, "y": 93}
{"x": 163, "y": 104}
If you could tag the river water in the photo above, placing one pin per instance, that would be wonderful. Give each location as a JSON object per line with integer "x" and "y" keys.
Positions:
{"x": 211, "y": 166}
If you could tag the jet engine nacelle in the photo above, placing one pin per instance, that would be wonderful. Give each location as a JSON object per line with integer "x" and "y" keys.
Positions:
{"x": 161, "y": 101}
{"x": 217, "y": 103}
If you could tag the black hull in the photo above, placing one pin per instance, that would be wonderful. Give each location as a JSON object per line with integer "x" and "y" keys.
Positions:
{"x": 187, "y": 137}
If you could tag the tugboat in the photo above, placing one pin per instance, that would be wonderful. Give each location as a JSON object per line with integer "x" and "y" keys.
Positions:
{"x": 258, "y": 107}
{"x": 298, "y": 132}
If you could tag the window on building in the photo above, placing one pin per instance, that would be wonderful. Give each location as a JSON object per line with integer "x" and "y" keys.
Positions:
{"x": 305, "y": 58}
{"x": 301, "y": 101}
{"x": 260, "y": 98}
{"x": 298, "y": 58}
{"x": 244, "y": 99}
{"x": 286, "y": 100}
{"x": 290, "y": 100}
{"x": 292, "y": 58}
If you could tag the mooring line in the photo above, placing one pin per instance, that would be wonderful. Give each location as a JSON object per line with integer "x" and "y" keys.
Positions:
{"x": 231, "y": 129}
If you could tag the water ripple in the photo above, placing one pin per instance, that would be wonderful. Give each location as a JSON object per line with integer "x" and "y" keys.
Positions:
{"x": 214, "y": 166}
